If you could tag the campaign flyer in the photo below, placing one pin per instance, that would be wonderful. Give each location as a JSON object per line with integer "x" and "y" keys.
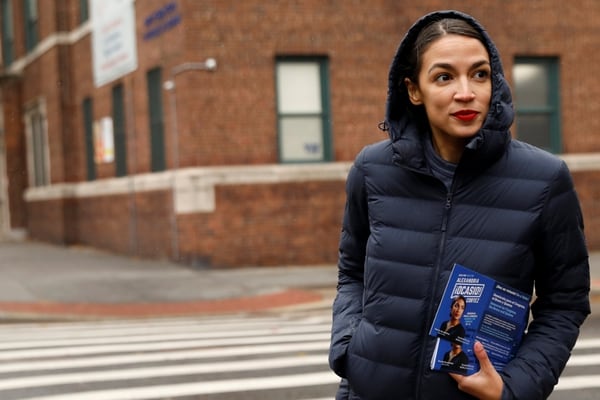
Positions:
{"x": 475, "y": 307}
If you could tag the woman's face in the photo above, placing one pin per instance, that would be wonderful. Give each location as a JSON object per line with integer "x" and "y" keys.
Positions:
{"x": 458, "y": 308}
{"x": 454, "y": 86}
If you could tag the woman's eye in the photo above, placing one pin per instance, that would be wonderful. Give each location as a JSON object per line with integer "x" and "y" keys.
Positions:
{"x": 442, "y": 78}
{"x": 483, "y": 74}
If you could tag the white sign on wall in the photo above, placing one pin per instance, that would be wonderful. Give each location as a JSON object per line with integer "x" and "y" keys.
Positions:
{"x": 114, "y": 51}
{"x": 104, "y": 144}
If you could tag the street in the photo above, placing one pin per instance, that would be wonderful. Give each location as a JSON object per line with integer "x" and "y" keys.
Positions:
{"x": 252, "y": 356}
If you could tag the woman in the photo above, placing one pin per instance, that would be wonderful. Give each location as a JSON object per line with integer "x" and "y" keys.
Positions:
{"x": 451, "y": 186}
{"x": 455, "y": 360}
{"x": 452, "y": 329}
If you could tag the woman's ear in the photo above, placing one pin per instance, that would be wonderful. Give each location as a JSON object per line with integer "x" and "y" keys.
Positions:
{"x": 414, "y": 94}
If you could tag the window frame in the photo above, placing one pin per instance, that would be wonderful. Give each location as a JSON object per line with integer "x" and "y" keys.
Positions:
{"x": 8, "y": 33}
{"x": 84, "y": 12}
{"x": 156, "y": 119}
{"x": 30, "y": 23}
{"x": 87, "y": 111}
{"x": 119, "y": 130}
{"x": 324, "y": 116}
{"x": 552, "y": 107}
{"x": 38, "y": 149}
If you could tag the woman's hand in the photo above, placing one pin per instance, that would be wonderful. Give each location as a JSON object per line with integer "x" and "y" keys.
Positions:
{"x": 485, "y": 384}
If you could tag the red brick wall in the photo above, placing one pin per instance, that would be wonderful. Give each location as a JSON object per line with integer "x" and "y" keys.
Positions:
{"x": 266, "y": 224}
{"x": 136, "y": 224}
{"x": 588, "y": 191}
{"x": 54, "y": 221}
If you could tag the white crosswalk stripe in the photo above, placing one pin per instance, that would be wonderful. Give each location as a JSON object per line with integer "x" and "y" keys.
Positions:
{"x": 272, "y": 357}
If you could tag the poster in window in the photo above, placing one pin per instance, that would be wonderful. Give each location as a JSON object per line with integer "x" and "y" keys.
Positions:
{"x": 104, "y": 146}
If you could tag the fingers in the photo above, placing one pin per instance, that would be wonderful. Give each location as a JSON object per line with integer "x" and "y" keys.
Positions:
{"x": 486, "y": 383}
{"x": 482, "y": 357}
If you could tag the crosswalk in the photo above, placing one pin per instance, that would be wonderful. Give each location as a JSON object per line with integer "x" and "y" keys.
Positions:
{"x": 237, "y": 357}
{"x": 270, "y": 356}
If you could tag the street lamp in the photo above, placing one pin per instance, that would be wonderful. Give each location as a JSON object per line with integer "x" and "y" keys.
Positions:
{"x": 210, "y": 64}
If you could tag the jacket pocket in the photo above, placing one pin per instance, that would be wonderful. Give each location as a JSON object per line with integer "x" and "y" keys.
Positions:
{"x": 351, "y": 369}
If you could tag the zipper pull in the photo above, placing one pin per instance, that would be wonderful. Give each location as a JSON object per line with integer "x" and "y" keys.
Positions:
{"x": 447, "y": 206}
{"x": 448, "y": 201}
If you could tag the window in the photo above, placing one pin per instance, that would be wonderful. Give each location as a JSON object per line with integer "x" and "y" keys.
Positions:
{"x": 303, "y": 109}
{"x": 88, "y": 129}
{"x": 8, "y": 35}
{"x": 536, "y": 84}
{"x": 38, "y": 159}
{"x": 118, "y": 116}
{"x": 31, "y": 24}
{"x": 84, "y": 13}
{"x": 155, "y": 112}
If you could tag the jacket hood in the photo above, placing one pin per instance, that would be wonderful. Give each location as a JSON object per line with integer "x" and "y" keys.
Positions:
{"x": 399, "y": 120}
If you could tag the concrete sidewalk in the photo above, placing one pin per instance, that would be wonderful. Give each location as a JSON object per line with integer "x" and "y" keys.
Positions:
{"x": 52, "y": 282}
{"x": 45, "y": 281}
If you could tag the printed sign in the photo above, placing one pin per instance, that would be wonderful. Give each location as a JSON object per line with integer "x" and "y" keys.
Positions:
{"x": 114, "y": 51}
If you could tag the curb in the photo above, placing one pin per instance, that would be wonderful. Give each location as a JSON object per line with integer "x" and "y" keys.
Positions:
{"x": 259, "y": 303}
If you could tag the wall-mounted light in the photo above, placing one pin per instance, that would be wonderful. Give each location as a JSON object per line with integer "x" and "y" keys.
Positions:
{"x": 210, "y": 64}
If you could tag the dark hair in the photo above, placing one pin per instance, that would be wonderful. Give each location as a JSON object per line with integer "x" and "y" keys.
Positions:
{"x": 430, "y": 34}
{"x": 455, "y": 300}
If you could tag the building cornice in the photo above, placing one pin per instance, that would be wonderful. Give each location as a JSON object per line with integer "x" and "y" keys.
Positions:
{"x": 56, "y": 39}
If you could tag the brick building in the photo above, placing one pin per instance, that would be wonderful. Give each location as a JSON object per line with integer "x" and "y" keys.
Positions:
{"x": 220, "y": 132}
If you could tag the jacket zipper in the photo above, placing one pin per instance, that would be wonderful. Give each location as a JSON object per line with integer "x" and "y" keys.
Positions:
{"x": 423, "y": 362}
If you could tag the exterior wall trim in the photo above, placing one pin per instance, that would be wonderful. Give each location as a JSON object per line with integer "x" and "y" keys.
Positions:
{"x": 56, "y": 39}
{"x": 193, "y": 188}
{"x": 579, "y": 162}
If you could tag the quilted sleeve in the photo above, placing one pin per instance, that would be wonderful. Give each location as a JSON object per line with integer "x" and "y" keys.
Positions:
{"x": 562, "y": 285}
{"x": 347, "y": 306}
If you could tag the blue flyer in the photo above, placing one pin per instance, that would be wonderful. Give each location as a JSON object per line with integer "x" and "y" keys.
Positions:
{"x": 475, "y": 307}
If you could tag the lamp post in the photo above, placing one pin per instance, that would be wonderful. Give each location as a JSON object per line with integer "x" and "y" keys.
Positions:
{"x": 210, "y": 64}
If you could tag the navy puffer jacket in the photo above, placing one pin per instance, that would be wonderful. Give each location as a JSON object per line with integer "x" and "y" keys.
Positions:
{"x": 512, "y": 214}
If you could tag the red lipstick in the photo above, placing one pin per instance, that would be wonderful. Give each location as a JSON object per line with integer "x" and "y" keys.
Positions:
{"x": 466, "y": 115}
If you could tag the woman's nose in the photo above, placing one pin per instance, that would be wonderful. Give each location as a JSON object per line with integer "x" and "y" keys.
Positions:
{"x": 464, "y": 92}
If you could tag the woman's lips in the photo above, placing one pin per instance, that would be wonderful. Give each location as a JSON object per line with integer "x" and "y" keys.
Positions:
{"x": 465, "y": 115}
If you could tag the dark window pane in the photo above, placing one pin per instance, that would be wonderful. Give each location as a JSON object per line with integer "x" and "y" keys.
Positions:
{"x": 119, "y": 131}
{"x": 155, "y": 111}
{"x": 535, "y": 130}
{"x": 88, "y": 127}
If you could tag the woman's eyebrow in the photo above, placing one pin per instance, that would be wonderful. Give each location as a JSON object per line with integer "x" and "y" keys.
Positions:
{"x": 451, "y": 67}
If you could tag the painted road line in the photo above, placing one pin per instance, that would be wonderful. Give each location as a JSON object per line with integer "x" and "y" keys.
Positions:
{"x": 103, "y": 328}
{"x": 587, "y": 343}
{"x": 156, "y": 346}
{"x": 161, "y": 356}
{"x": 163, "y": 371}
{"x": 586, "y": 359}
{"x": 239, "y": 331}
{"x": 201, "y": 388}
{"x": 578, "y": 382}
